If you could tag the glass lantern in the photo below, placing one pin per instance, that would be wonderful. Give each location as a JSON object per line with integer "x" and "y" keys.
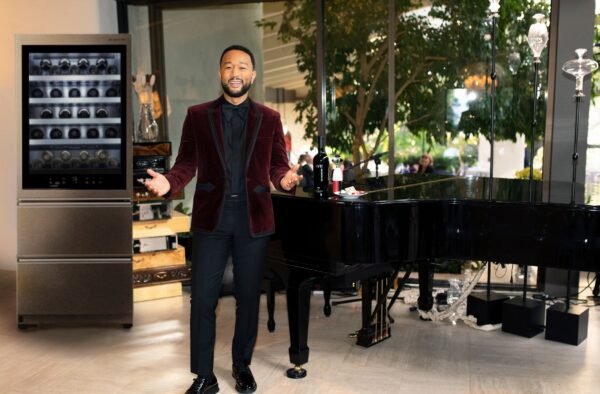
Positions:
{"x": 579, "y": 68}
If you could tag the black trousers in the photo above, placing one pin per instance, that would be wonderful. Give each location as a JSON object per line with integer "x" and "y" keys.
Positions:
{"x": 210, "y": 254}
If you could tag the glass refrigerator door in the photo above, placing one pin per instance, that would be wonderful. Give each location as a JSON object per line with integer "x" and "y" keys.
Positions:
{"x": 74, "y": 116}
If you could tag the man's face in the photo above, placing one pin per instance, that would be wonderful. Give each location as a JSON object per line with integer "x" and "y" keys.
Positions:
{"x": 237, "y": 73}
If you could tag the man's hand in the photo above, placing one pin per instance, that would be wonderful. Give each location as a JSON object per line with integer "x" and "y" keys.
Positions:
{"x": 291, "y": 178}
{"x": 158, "y": 185}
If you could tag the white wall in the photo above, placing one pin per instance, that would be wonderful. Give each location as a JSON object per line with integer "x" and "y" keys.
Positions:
{"x": 33, "y": 17}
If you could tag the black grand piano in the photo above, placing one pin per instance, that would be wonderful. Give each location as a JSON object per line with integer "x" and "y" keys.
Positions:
{"x": 417, "y": 220}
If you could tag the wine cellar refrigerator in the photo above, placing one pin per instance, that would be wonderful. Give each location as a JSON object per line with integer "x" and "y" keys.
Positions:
{"x": 74, "y": 244}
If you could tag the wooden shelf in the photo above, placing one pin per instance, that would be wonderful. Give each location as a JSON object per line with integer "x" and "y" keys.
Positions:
{"x": 158, "y": 274}
{"x": 163, "y": 258}
{"x": 179, "y": 223}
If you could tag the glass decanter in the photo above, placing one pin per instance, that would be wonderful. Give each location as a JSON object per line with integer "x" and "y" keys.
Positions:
{"x": 147, "y": 128}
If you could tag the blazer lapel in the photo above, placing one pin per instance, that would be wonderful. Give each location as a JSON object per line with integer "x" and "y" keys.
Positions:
{"x": 253, "y": 126}
{"x": 216, "y": 128}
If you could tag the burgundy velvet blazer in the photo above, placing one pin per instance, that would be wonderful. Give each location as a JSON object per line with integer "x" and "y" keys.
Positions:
{"x": 201, "y": 153}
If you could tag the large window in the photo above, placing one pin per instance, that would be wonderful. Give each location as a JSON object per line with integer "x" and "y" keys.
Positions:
{"x": 442, "y": 86}
{"x": 592, "y": 169}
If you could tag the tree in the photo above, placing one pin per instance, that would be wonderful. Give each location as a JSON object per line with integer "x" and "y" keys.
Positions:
{"x": 432, "y": 53}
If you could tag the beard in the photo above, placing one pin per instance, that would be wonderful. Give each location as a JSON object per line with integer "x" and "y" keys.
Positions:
{"x": 240, "y": 93}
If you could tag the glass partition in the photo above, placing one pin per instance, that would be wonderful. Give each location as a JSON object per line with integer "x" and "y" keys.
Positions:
{"x": 592, "y": 170}
{"x": 441, "y": 95}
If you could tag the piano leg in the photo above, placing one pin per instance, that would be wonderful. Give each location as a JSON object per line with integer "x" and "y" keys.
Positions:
{"x": 327, "y": 296}
{"x": 298, "y": 306}
{"x": 425, "y": 301}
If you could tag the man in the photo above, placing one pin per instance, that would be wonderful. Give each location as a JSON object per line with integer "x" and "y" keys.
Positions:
{"x": 234, "y": 146}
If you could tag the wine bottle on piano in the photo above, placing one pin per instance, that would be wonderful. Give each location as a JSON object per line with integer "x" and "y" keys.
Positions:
{"x": 321, "y": 169}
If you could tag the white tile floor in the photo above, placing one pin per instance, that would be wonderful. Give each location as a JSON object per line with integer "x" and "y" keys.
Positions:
{"x": 420, "y": 357}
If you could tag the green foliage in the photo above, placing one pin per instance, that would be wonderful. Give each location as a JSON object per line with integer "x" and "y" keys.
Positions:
{"x": 433, "y": 54}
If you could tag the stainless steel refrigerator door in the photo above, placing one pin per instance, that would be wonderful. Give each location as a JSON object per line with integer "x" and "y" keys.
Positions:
{"x": 65, "y": 229}
{"x": 51, "y": 289}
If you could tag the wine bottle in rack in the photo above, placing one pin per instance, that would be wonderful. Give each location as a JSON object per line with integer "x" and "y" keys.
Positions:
{"x": 65, "y": 113}
{"x": 45, "y": 65}
{"x": 92, "y": 133}
{"x": 110, "y": 133}
{"x": 102, "y": 155}
{"x": 101, "y": 64}
{"x": 64, "y": 65}
{"x": 37, "y": 93}
{"x": 111, "y": 92}
{"x": 93, "y": 92}
{"x": 56, "y": 93}
{"x": 93, "y": 70}
{"x": 74, "y": 133}
{"x": 83, "y": 113}
{"x": 47, "y": 156}
{"x": 74, "y": 92}
{"x": 83, "y": 64}
{"x": 37, "y": 134}
{"x": 101, "y": 113}
{"x": 65, "y": 156}
{"x": 112, "y": 70}
{"x": 56, "y": 134}
{"x": 46, "y": 113}
{"x": 84, "y": 155}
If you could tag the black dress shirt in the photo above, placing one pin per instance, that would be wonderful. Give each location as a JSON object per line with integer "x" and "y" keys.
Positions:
{"x": 234, "y": 130}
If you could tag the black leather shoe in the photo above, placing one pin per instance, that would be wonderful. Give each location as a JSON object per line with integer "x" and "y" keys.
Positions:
{"x": 244, "y": 381}
{"x": 204, "y": 386}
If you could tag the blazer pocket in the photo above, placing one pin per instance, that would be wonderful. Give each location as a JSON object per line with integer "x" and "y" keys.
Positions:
{"x": 261, "y": 189}
{"x": 207, "y": 187}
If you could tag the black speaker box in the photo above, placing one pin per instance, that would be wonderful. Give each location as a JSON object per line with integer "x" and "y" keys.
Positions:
{"x": 567, "y": 325}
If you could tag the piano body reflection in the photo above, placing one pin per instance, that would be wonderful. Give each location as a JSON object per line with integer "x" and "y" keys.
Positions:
{"x": 420, "y": 219}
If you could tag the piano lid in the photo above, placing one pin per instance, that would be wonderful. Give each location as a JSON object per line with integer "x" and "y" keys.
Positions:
{"x": 437, "y": 187}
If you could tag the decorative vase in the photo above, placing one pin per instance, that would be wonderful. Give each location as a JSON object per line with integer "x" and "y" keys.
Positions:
{"x": 147, "y": 128}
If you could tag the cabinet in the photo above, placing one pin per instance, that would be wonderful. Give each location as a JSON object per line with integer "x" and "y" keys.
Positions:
{"x": 159, "y": 264}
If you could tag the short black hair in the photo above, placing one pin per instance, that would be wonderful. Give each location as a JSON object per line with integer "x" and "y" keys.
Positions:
{"x": 237, "y": 48}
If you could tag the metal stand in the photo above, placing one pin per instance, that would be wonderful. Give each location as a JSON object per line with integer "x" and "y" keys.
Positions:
{"x": 566, "y": 323}
{"x": 523, "y": 316}
{"x": 487, "y": 307}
